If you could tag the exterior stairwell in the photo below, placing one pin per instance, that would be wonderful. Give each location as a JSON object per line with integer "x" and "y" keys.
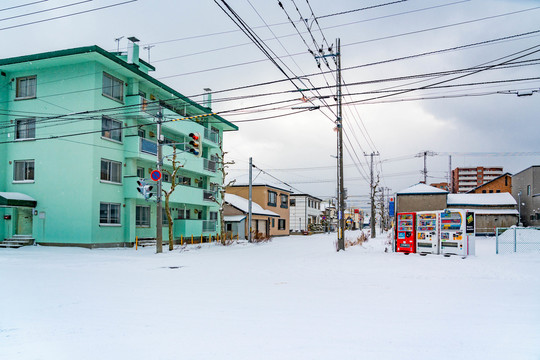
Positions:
{"x": 17, "y": 242}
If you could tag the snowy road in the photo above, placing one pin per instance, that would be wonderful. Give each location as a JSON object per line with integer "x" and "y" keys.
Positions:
{"x": 292, "y": 298}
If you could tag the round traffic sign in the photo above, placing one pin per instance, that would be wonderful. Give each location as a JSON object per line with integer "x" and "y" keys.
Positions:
{"x": 155, "y": 175}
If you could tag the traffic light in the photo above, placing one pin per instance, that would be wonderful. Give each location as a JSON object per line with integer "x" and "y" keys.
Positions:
{"x": 144, "y": 189}
{"x": 195, "y": 146}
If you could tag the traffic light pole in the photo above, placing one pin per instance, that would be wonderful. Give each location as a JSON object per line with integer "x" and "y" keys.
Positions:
{"x": 159, "y": 215}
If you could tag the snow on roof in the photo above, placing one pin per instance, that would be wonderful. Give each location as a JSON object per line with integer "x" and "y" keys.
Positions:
{"x": 481, "y": 199}
{"x": 234, "y": 218}
{"x": 422, "y": 189}
{"x": 496, "y": 212}
{"x": 242, "y": 204}
{"x": 16, "y": 196}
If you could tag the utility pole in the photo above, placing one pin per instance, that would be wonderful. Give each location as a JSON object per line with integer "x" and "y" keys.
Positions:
{"x": 450, "y": 173}
{"x": 372, "y": 194}
{"x": 339, "y": 126}
{"x": 250, "y": 197}
{"x": 425, "y": 155}
{"x": 159, "y": 215}
{"x": 339, "y": 123}
{"x": 148, "y": 48}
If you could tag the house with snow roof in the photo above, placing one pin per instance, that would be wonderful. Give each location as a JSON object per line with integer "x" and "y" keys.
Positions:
{"x": 235, "y": 212}
{"x": 269, "y": 197}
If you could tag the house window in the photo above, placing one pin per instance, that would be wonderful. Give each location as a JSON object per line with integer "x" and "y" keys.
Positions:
{"x": 109, "y": 214}
{"x": 25, "y": 129}
{"x": 23, "y": 170}
{"x": 273, "y": 222}
{"x": 111, "y": 129}
{"x": 281, "y": 224}
{"x": 484, "y": 191}
{"x": 284, "y": 201}
{"x": 184, "y": 214}
{"x": 26, "y": 87}
{"x": 272, "y": 198}
{"x": 506, "y": 181}
{"x": 142, "y": 216}
{"x": 111, "y": 171}
{"x": 292, "y": 202}
{"x": 112, "y": 87}
{"x": 498, "y": 191}
{"x": 140, "y": 172}
{"x": 528, "y": 189}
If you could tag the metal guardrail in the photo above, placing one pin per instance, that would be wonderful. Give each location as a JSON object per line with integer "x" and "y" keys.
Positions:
{"x": 209, "y": 225}
{"x": 517, "y": 240}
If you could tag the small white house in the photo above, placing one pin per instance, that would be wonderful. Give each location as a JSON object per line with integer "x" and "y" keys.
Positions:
{"x": 304, "y": 210}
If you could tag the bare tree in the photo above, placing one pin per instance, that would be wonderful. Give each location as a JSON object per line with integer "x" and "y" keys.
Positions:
{"x": 373, "y": 205}
{"x": 223, "y": 165}
{"x": 176, "y": 166}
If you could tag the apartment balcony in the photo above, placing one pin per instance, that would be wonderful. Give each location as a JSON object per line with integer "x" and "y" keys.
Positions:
{"x": 145, "y": 149}
{"x": 211, "y": 135}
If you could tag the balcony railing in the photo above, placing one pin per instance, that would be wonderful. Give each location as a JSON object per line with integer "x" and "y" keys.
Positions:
{"x": 150, "y": 107}
{"x": 209, "y": 225}
{"x": 211, "y": 135}
{"x": 148, "y": 147}
{"x": 210, "y": 165}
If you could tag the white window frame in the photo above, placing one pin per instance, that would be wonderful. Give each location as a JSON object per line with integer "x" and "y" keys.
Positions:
{"x": 109, "y": 220}
{"x": 27, "y": 126}
{"x": 109, "y": 91}
{"x": 107, "y": 132}
{"x": 25, "y": 171}
{"x": 109, "y": 171}
{"x": 141, "y": 212}
{"x": 19, "y": 95}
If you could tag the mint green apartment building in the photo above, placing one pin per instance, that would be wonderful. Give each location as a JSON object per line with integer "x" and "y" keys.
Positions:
{"x": 78, "y": 129}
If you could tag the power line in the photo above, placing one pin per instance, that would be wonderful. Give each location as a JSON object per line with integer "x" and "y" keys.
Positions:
{"x": 45, "y": 10}
{"x": 19, "y": 6}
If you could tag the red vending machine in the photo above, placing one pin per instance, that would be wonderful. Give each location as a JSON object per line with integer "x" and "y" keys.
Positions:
{"x": 406, "y": 232}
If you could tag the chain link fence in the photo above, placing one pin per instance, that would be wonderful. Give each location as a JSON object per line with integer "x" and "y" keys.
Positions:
{"x": 517, "y": 240}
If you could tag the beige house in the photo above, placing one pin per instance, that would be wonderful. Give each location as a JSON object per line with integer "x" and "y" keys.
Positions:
{"x": 271, "y": 198}
{"x": 261, "y": 219}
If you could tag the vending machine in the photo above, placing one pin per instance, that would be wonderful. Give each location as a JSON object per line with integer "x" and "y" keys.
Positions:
{"x": 453, "y": 233}
{"x": 427, "y": 232}
{"x": 405, "y": 233}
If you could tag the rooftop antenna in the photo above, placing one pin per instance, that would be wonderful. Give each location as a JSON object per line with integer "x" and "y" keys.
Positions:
{"x": 148, "y": 47}
{"x": 118, "y": 43}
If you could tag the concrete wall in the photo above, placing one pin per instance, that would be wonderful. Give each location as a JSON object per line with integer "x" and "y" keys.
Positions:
{"x": 420, "y": 202}
{"x": 486, "y": 223}
{"x": 530, "y": 206}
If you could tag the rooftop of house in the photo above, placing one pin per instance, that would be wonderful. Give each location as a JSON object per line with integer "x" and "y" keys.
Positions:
{"x": 242, "y": 204}
{"x": 496, "y": 199}
{"x": 421, "y": 189}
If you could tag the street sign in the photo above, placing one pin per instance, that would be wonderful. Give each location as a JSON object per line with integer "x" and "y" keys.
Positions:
{"x": 155, "y": 175}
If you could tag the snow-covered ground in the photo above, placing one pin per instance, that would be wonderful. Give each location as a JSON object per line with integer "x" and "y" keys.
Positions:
{"x": 292, "y": 298}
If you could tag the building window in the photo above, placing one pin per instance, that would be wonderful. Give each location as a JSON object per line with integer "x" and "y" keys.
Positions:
{"x": 213, "y": 215}
{"x": 272, "y": 198}
{"x": 284, "y": 201}
{"x": 112, "y": 87}
{"x": 498, "y": 191}
{"x": 142, "y": 216}
{"x": 184, "y": 214}
{"x": 484, "y": 191}
{"x": 165, "y": 177}
{"x": 23, "y": 170}
{"x": 140, "y": 172}
{"x": 186, "y": 181}
{"x": 109, "y": 214}
{"x": 506, "y": 181}
{"x": 292, "y": 202}
{"x": 165, "y": 221}
{"x": 528, "y": 189}
{"x": 25, "y": 129}
{"x": 490, "y": 191}
{"x": 111, "y": 129}
{"x": 141, "y": 133}
{"x": 111, "y": 171}
{"x": 281, "y": 224}
{"x": 273, "y": 222}
{"x": 26, "y": 87}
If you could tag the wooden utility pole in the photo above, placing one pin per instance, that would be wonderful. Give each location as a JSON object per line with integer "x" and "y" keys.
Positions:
{"x": 373, "y": 188}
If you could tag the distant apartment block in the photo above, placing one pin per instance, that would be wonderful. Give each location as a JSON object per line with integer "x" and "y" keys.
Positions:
{"x": 465, "y": 179}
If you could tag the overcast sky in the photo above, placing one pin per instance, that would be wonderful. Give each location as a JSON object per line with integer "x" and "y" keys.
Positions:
{"x": 195, "y": 45}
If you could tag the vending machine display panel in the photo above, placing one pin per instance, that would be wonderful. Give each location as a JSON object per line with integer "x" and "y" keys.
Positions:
{"x": 406, "y": 233}
{"x": 427, "y": 232}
